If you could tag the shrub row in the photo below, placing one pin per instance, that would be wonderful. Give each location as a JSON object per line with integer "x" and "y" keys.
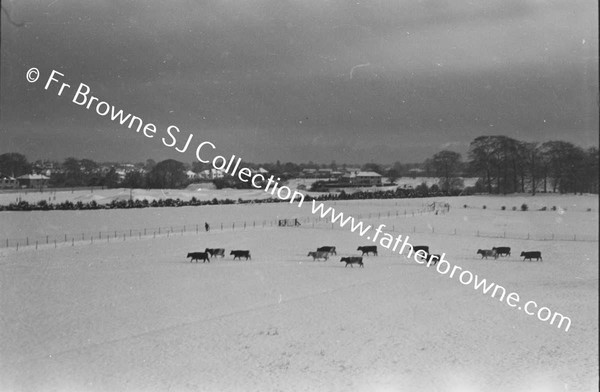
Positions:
{"x": 43, "y": 205}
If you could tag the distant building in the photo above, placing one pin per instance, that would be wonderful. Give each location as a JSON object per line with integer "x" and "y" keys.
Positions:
{"x": 191, "y": 175}
{"x": 33, "y": 181}
{"x": 324, "y": 173}
{"x": 361, "y": 178}
{"x": 211, "y": 174}
{"x": 7, "y": 182}
{"x": 416, "y": 172}
{"x": 309, "y": 173}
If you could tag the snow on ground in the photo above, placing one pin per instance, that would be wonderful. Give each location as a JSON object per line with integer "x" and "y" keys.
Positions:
{"x": 136, "y": 315}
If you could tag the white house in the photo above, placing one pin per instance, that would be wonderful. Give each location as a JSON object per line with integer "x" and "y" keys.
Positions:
{"x": 361, "y": 178}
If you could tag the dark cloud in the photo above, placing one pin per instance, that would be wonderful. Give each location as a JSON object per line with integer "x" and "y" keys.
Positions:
{"x": 302, "y": 80}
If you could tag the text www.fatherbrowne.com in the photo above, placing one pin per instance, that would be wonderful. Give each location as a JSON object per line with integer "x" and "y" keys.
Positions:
{"x": 442, "y": 266}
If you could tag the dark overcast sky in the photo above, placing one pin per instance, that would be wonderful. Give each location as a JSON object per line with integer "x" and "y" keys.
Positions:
{"x": 350, "y": 81}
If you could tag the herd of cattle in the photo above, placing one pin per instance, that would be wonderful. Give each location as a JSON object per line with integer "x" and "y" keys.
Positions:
{"x": 505, "y": 251}
{"x": 213, "y": 252}
{"x": 324, "y": 252}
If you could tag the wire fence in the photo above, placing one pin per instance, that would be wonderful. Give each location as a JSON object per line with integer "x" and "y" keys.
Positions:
{"x": 55, "y": 240}
{"x": 108, "y": 236}
{"x": 461, "y": 232}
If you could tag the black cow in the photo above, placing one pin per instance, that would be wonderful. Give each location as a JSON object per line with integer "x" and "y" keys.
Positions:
{"x": 421, "y": 247}
{"x": 487, "y": 253}
{"x": 368, "y": 249}
{"x": 319, "y": 255}
{"x": 215, "y": 252}
{"x": 241, "y": 253}
{"x": 328, "y": 249}
{"x": 198, "y": 256}
{"x": 502, "y": 250}
{"x": 352, "y": 260}
{"x": 432, "y": 259}
{"x": 531, "y": 255}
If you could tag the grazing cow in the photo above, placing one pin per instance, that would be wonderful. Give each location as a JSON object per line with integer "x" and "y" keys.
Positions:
{"x": 421, "y": 247}
{"x": 502, "y": 250}
{"x": 368, "y": 249}
{"x": 487, "y": 253}
{"x": 319, "y": 255}
{"x": 531, "y": 255}
{"x": 432, "y": 259}
{"x": 352, "y": 260}
{"x": 241, "y": 253}
{"x": 198, "y": 256}
{"x": 215, "y": 252}
{"x": 328, "y": 249}
{"x": 424, "y": 248}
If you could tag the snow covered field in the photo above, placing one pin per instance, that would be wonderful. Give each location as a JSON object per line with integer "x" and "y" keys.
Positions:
{"x": 134, "y": 314}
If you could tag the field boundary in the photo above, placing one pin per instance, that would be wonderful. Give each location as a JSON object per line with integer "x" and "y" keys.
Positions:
{"x": 303, "y": 223}
{"x": 168, "y": 230}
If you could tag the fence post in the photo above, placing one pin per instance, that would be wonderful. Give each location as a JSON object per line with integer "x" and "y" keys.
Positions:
{"x": 100, "y": 234}
{"x": 244, "y": 225}
{"x": 46, "y": 240}
{"x": 17, "y": 245}
{"x": 477, "y": 233}
{"x": 54, "y": 244}
{"x": 455, "y": 231}
{"x": 91, "y": 239}
{"x": 36, "y": 243}
{"x": 196, "y": 229}
{"x": 233, "y": 226}
{"x": 221, "y": 226}
{"x": 27, "y": 241}
{"x": 7, "y": 242}
{"x": 72, "y": 241}
{"x": 123, "y": 236}
{"x": 574, "y": 237}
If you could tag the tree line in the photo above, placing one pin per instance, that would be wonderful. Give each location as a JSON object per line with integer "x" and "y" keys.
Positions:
{"x": 506, "y": 165}
{"x": 502, "y": 164}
